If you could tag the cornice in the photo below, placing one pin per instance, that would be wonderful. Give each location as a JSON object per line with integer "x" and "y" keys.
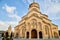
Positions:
{"x": 34, "y": 6}
{"x": 37, "y": 12}
{"x": 34, "y": 16}
{"x": 43, "y": 14}
{"x": 16, "y": 26}
{"x": 55, "y": 25}
{"x": 46, "y": 19}
{"x": 24, "y": 16}
{"x": 33, "y": 10}
{"x": 46, "y": 22}
{"x": 22, "y": 23}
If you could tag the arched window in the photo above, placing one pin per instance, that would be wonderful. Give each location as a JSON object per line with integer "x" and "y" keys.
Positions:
{"x": 46, "y": 29}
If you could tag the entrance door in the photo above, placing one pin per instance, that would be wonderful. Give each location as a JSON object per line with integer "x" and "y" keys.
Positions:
{"x": 40, "y": 34}
{"x": 27, "y": 34}
{"x": 33, "y": 33}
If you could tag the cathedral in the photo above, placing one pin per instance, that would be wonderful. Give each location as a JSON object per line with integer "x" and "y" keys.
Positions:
{"x": 36, "y": 25}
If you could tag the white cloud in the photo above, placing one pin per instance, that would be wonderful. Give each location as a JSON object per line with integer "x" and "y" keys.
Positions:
{"x": 27, "y": 1}
{"x": 12, "y": 12}
{"x": 1, "y": 23}
{"x": 52, "y": 8}
{"x": 5, "y": 25}
{"x": 15, "y": 16}
{"x": 56, "y": 18}
{"x": 9, "y": 9}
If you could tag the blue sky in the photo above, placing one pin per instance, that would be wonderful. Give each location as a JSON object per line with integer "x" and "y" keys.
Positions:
{"x": 11, "y": 11}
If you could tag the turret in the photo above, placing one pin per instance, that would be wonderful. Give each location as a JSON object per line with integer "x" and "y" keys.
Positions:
{"x": 34, "y": 6}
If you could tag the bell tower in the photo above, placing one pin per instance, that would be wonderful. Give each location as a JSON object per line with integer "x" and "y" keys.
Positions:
{"x": 34, "y": 6}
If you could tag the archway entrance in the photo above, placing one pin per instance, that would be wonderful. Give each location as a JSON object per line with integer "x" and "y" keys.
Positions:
{"x": 33, "y": 33}
{"x": 40, "y": 34}
{"x": 27, "y": 35}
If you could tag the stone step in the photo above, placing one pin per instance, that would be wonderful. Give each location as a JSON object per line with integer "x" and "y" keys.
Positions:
{"x": 36, "y": 39}
{"x": 31, "y": 39}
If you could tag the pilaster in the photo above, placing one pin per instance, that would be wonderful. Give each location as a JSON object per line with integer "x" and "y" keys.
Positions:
{"x": 29, "y": 34}
{"x": 25, "y": 34}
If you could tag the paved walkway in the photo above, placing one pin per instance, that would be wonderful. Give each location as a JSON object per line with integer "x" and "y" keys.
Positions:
{"x": 31, "y": 39}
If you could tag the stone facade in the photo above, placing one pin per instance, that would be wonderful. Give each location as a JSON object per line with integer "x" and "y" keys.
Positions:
{"x": 36, "y": 25}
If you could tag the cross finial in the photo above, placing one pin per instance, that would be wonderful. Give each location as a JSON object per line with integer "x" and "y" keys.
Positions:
{"x": 33, "y": 0}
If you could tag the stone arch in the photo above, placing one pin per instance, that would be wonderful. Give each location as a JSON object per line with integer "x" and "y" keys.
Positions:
{"x": 47, "y": 31}
{"x": 55, "y": 35}
{"x": 27, "y": 35}
{"x": 40, "y": 35}
{"x": 34, "y": 33}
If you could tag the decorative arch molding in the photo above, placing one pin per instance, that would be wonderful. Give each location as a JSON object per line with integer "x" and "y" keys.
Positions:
{"x": 34, "y": 19}
{"x": 55, "y": 35}
{"x": 49, "y": 27}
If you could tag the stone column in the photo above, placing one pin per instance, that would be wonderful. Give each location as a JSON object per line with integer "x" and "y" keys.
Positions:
{"x": 30, "y": 35}
{"x": 14, "y": 34}
{"x": 38, "y": 34}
